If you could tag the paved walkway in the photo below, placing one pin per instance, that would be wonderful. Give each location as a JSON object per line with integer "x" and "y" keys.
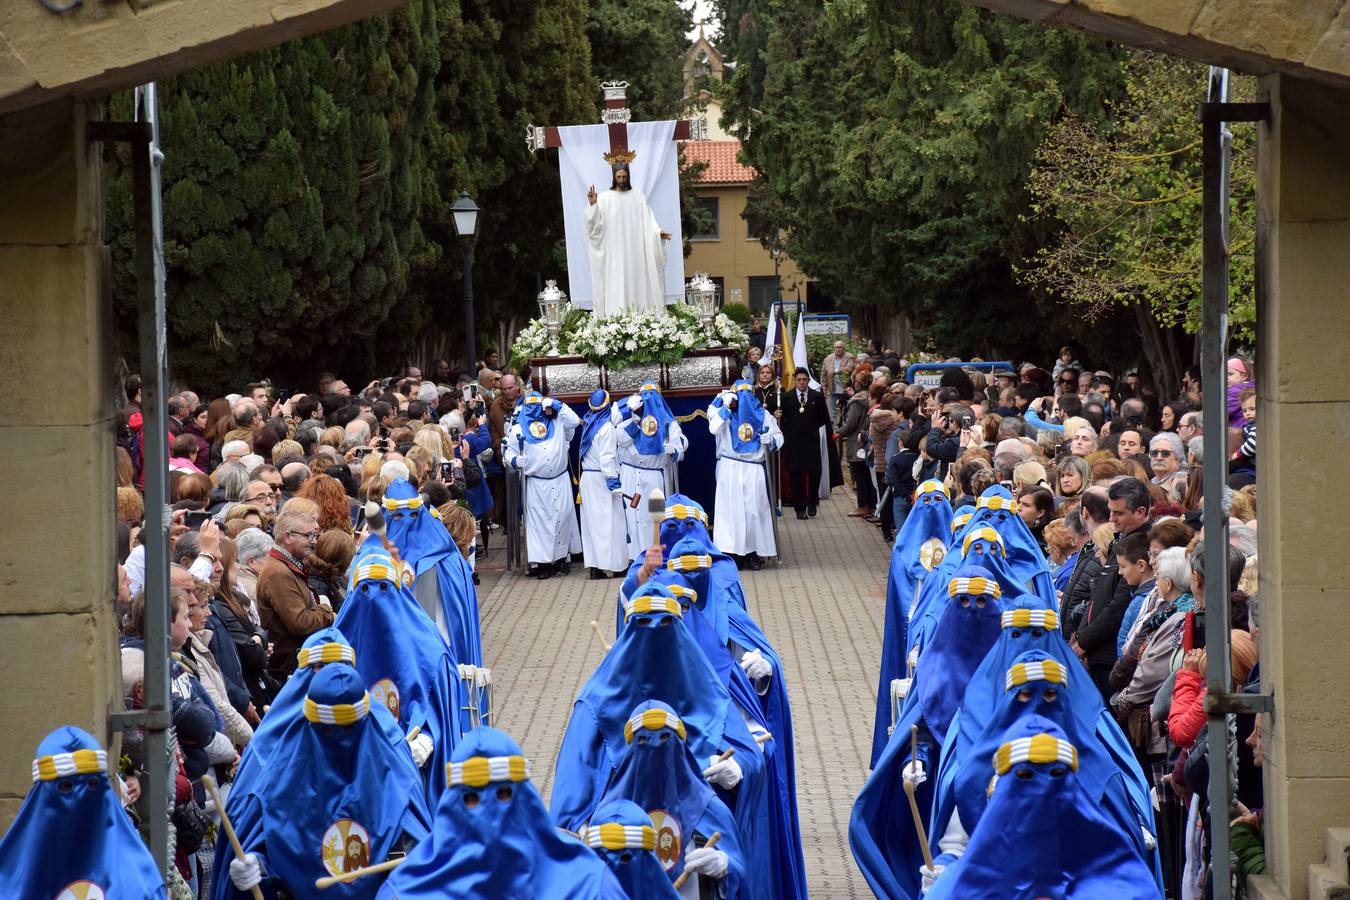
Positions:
{"x": 823, "y": 608}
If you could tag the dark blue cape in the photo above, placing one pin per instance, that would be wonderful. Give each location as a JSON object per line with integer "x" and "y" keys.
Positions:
{"x": 596, "y": 418}
{"x": 334, "y": 787}
{"x": 997, "y": 508}
{"x": 80, "y": 834}
{"x": 746, "y": 421}
{"x": 920, "y": 547}
{"x": 962, "y": 637}
{"x": 404, "y": 660}
{"x": 685, "y": 518}
{"x": 424, "y": 543}
{"x": 649, "y": 429}
{"x": 636, "y": 867}
{"x": 1074, "y": 851}
{"x": 503, "y": 847}
{"x": 661, "y": 776}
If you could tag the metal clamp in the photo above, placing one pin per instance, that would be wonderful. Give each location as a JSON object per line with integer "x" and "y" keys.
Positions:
{"x": 1239, "y": 704}
{"x": 156, "y": 719}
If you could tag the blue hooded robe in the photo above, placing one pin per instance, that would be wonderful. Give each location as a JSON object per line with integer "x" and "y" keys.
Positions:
{"x": 661, "y": 776}
{"x": 493, "y": 840}
{"x": 71, "y": 833}
{"x": 649, "y": 432}
{"x": 881, "y": 829}
{"x": 621, "y": 834}
{"x": 685, "y": 517}
{"x": 1074, "y": 850}
{"x": 404, "y": 660}
{"x": 339, "y": 796}
{"x": 687, "y": 576}
{"x": 448, "y": 596}
{"x": 655, "y": 657}
{"x": 997, "y": 509}
{"x": 919, "y": 548}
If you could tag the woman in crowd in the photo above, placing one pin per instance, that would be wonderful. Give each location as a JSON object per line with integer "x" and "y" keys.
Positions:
{"x": 334, "y": 510}
{"x": 231, "y": 608}
{"x": 327, "y": 565}
{"x": 252, "y": 545}
{"x": 1036, "y": 507}
{"x": 853, "y": 432}
{"x": 1072, "y": 477}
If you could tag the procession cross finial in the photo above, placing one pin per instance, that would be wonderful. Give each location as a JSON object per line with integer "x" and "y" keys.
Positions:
{"x": 617, "y": 115}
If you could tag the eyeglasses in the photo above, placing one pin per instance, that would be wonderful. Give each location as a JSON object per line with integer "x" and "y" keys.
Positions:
{"x": 1158, "y": 454}
{"x": 276, "y": 488}
{"x": 259, "y": 498}
{"x": 307, "y": 535}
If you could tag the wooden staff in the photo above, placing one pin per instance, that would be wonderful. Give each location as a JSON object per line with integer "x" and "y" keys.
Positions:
{"x": 375, "y": 519}
{"x": 724, "y": 756}
{"x": 209, "y": 783}
{"x": 412, "y": 735}
{"x": 763, "y": 738}
{"x": 330, "y": 880}
{"x": 684, "y": 876}
{"x": 913, "y": 804}
{"x": 600, "y": 637}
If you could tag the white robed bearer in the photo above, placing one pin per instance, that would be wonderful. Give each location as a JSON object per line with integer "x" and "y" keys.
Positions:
{"x": 743, "y": 524}
{"x": 650, "y": 444}
{"x": 537, "y": 446}
{"x": 604, "y": 531}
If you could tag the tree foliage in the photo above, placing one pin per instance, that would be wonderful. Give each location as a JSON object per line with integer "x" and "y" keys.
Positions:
{"x": 1125, "y": 195}
{"x": 893, "y": 144}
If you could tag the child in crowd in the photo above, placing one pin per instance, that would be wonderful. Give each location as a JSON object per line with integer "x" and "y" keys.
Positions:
{"x": 1242, "y": 469}
{"x": 1137, "y": 570}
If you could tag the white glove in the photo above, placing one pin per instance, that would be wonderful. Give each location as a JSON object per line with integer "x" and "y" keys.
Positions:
{"x": 635, "y": 402}
{"x": 725, "y": 774}
{"x": 246, "y": 873}
{"x": 1149, "y": 842}
{"x": 929, "y": 876}
{"x": 765, "y": 437}
{"x": 704, "y": 861}
{"x": 727, "y": 397}
{"x": 421, "y": 747}
{"x": 755, "y": 666}
{"x": 914, "y": 773}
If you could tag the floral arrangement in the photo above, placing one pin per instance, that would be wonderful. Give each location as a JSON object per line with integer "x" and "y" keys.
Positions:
{"x": 630, "y": 338}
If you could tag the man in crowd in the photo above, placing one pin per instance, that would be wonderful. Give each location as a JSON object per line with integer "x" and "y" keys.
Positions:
{"x": 288, "y": 608}
{"x": 835, "y": 372}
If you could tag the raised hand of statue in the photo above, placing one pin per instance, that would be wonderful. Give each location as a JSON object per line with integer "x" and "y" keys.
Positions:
{"x": 590, "y": 195}
{"x": 665, "y": 235}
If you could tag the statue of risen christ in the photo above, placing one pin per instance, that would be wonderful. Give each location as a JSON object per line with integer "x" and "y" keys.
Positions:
{"x": 627, "y": 249}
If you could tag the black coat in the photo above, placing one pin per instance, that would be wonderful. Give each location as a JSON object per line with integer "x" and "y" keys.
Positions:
{"x": 1100, "y": 625}
{"x": 1078, "y": 590}
{"x": 801, "y": 425}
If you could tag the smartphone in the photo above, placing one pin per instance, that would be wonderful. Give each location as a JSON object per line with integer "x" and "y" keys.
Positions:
{"x": 384, "y": 432}
{"x": 283, "y": 394}
{"x": 196, "y": 518}
{"x": 454, "y": 435}
{"x": 447, "y": 471}
{"x": 361, "y": 451}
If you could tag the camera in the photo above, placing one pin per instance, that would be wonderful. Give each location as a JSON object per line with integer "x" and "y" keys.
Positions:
{"x": 195, "y": 519}
{"x": 447, "y": 471}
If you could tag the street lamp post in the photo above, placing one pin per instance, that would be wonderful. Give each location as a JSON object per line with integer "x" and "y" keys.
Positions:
{"x": 465, "y": 216}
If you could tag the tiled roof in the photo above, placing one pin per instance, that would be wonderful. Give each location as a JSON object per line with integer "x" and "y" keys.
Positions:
{"x": 723, "y": 167}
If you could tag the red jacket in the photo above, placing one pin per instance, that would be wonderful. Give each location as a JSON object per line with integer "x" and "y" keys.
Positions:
{"x": 1187, "y": 717}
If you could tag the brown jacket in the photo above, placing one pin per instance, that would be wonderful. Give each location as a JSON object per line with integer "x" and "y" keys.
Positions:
{"x": 288, "y": 610}
{"x": 846, "y": 366}
{"x": 881, "y": 424}
{"x": 497, "y": 411}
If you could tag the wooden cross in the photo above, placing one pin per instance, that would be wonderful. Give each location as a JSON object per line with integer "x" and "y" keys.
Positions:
{"x": 616, "y": 115}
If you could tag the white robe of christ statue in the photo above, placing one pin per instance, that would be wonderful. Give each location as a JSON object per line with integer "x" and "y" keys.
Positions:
{"x": 627, "y": 255}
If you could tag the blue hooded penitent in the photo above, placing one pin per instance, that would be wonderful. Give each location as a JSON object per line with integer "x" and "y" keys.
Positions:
{"x": 597, "y": 417}
{"x": 881, "y": 829}
{"x": 687, "y": 577}
{"x": 339, "y": 797}
{"x": 919, "y": 549}
{"x": 653, "y": 658}
{"x": 535, "y": 427}
{"x": 661, "y": 776}
{"x": 71, "y": 836}
{"x": 747, "y": 420}
{"x": 493, "y": 839}
{"x": 404, "y": 660}
{"x": 621, "y": 834}
{"x": 997, "y": 509}
{"x": 424, "y": 543}
{"x": 686, "y": 518}
{"x": 1075, "y": 851}
{"x": 648, "y": 431}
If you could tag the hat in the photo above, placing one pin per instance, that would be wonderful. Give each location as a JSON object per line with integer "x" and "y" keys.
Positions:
{"x": 195, "y": 726}
{"x": 1102, "y": 375}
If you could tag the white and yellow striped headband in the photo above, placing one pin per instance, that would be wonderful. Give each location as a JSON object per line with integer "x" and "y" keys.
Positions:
{"x": 603, "y": 403}
{"x": 690, "y": 562}
{"x": 478, "y": 771}
{"x": 683, "y": 593}
{"x": 649, "y": 386}
{"x": 614, "y": 836}
{"x": 974, "y": 587}
{"x": 652, "y": 603}
{"x": 326, "y": 653}
{"x": 653, "y": 720}
{"x": 684, "y": 511}
{"x": 1031, "y": 618}
{"x": 338, "y": 713}
{"x": 374, "y": 572}
{"x": 932, "y": 486}
{"x": 410, "y": 503}
{"x": 533, "y": 398}
{"x": 1041, "y": 670}
{"x": 1004, "y": 503}
{"x": 63, "y": 765}
{"x": 1039, "y": 749}
{"x": 960, "y": 522}
{"x": 983, "y": 534}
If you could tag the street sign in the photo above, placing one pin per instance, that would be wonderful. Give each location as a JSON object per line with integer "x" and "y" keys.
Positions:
{"x": 829, "y": 324}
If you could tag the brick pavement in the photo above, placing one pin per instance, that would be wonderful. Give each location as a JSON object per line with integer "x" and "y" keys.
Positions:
{"x": 823, "y": 608}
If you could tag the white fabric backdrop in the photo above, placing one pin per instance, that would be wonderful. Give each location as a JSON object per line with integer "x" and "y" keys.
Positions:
{"x": 655, "y": 172}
